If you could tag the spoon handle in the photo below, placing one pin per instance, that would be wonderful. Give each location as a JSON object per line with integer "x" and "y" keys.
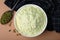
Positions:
{"x": 14, "y": 5}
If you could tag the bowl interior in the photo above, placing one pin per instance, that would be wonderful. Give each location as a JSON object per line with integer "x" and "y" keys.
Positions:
{"x": 44, "y": 25}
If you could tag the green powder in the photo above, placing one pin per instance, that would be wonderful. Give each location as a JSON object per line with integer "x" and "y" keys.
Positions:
{"x": 6, "y": 17}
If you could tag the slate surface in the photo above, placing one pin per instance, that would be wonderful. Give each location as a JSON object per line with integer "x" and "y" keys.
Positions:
{"x": 51, "y": 7}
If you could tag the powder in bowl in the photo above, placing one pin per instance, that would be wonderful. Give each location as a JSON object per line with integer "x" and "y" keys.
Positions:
{"x": 30, "y": 20}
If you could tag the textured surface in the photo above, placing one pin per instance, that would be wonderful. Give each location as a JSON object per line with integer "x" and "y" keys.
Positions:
{"x": 47, "y": 6}
{"x": 56, "y": 16}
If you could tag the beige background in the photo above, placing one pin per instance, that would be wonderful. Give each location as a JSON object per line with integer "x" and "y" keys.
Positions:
{"x": 6, "y": 35}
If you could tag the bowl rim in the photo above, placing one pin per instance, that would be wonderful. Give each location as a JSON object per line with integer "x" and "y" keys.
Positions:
{"x": 45, "y": 23}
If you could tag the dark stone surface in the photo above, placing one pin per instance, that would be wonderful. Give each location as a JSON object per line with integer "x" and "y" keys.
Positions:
{"x": 51, "y": 7}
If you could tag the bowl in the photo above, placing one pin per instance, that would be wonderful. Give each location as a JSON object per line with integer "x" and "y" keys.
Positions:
{"x": 24, "y": 24}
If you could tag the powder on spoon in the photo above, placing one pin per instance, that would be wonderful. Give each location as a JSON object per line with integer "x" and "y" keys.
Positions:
{"x": 6, "y": 17}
